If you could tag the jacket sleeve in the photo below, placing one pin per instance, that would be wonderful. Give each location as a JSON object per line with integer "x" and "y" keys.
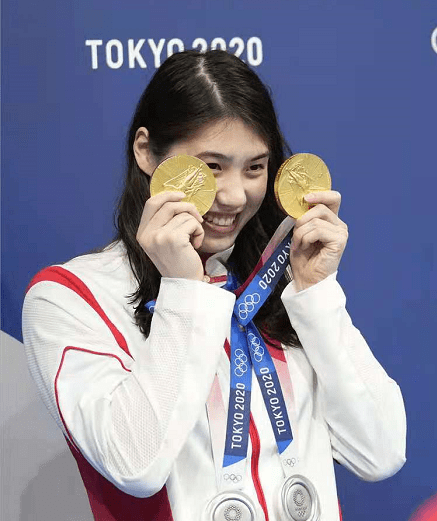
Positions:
{"x": 363, "y": 407}
{"x": 129, "y": 418}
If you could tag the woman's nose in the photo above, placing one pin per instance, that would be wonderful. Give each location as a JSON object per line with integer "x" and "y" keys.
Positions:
{"x": 231, "y": 191}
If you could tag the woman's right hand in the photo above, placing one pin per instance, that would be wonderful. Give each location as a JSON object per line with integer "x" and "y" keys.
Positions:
{"x": 170, "y": 231}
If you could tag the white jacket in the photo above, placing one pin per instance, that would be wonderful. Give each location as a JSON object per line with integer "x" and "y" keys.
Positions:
{"x": 135, "y": 408}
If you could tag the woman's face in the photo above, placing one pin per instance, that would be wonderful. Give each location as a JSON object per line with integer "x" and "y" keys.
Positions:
{"x": 239, "y": 159}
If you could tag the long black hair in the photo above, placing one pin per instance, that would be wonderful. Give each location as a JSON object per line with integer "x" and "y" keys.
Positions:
{"x": 189, "y": 91}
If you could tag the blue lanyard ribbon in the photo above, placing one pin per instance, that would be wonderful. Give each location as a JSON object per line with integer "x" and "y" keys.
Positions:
{"x": 237, "y": 429}
{"x": 263, "y": 283}
{"x": 248, "y": 349}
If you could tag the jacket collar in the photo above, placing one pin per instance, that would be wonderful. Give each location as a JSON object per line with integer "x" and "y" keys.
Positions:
{"x": 215, "y": 264}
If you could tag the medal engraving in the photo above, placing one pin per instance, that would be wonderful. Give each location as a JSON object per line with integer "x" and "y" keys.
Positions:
{"x": 233, "y": 513}
{"x": 300, "y": 501}
{"x": 189, "y": 181}
{"x": 230, "y": 506}
{"x": 189, "y": 175}
{"x": 298, "y": 176}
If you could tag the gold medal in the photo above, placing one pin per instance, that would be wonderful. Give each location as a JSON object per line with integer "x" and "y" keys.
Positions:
{"x": 298, "y": 176}
{"x": 186, "y": 174}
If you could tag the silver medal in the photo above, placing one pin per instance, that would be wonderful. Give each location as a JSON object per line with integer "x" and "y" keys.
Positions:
{"x": 230, "y": 506}
{"x": 299, "y": 499}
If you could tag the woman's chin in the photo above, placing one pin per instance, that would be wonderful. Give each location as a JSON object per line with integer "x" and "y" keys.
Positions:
{"x": 216, "y": 244}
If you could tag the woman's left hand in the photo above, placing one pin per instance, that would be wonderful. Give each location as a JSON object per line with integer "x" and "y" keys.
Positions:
{"x": 319, "y": 239}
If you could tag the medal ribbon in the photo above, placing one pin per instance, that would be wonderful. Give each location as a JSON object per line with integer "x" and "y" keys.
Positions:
{"x": 248, "y": 349}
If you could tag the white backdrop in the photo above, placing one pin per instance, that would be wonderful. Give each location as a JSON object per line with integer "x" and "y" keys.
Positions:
{"x": 39, "y": 476}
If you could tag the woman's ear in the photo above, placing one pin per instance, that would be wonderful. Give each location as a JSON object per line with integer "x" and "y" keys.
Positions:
{"x": 142, "y": 151}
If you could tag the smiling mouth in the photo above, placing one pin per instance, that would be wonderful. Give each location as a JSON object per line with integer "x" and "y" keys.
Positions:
{"x": 221, "y": 223}
{"x": 220, "y": 220}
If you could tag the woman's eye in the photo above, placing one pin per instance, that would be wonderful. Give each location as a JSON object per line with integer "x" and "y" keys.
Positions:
{"x": 254, "y": 168}
{"x": 214, "y": 166}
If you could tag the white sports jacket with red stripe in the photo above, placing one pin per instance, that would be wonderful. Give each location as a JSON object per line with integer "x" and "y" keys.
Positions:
{"x": 133, "y": 411}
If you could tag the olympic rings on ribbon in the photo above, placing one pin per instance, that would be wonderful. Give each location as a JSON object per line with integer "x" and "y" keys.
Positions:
{"x": 240, "y": 362}
{"x": 232, "y": 477}
{"x": 255, "y": 346}
{"x": 248, "y": 305}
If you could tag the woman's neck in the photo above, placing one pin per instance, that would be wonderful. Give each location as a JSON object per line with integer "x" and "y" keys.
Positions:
{"x": 204, "y": 257}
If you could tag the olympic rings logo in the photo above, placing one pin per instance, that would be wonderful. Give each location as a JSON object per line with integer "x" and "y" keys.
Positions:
{"x": 240, "y": 362}
{"x": 232, "y": 477}
{"x": 291, "y": 462}
{"x": 248, "y": 305}
{"x": 255, "y": 346}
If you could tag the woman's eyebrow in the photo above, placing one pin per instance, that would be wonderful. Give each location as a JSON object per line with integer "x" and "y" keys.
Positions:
{"x": 223, "y": 157}
{"x": 260, "y": 156}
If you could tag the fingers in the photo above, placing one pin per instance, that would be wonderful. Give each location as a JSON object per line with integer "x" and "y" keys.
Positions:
{"x": 323, "y": 211}
{"x": 319, "y": 230}
{"x": 169, "y": 232}
{"x": 176, "y": 231}
{"x": 329, "y": 198}
{"x": 319, "y": 212}
{"x": 161, "y": 208}
{"x": 169, "y": 210}
{"x": 319, "y": 240}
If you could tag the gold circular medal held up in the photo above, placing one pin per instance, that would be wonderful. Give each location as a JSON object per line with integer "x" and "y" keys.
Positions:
{"x": 186, "y": 174}
{"x": 298, "y": 176}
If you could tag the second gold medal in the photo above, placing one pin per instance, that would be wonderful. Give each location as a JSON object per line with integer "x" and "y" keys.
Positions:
{"x": 298, "y": 176}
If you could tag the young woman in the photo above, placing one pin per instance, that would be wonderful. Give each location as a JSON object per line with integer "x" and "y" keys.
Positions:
{"x": 142, "y": 397}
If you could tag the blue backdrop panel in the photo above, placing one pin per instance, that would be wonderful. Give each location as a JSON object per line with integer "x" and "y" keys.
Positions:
{"x": 354, "y": 83}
